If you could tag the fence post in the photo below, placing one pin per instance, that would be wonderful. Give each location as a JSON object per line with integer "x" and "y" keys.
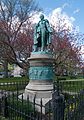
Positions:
{"x": 0, "y": 106}
{"x": 4, "y": 106}
{"x": 58, "y": 105}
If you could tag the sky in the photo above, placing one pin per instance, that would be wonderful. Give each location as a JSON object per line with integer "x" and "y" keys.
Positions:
{"x": 72, "y": 10}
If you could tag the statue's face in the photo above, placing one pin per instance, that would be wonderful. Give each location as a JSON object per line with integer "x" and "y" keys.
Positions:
{"x": 41, "y": 16}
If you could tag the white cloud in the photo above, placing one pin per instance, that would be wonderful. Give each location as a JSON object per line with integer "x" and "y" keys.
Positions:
{"x": 47, "y": 9}
{"x": 77, "y": 28}
{"x": 72, "y": 19}
{"x": 65, "y": 5}
{"x": 35, "y": 18}
{"x": 76, "y": 11}
{"x": 58, "y": 14}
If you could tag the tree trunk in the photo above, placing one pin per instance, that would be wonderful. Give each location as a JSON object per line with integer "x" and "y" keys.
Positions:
{"x": 5, "y": 68}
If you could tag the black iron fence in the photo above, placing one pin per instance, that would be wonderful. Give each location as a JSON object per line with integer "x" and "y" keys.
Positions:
{"x": 67, "y": 103}
{"x": 73, "y": 91}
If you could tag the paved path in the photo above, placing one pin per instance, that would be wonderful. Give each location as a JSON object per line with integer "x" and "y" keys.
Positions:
{"x": 5, "y": 93}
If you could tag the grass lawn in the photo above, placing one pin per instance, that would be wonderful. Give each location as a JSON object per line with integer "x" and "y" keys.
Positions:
{"x": 73, "y": 85}
{"x": 13, "y": 79}
{"x": 13, "y": 87}
{"x": 13, "y": 84}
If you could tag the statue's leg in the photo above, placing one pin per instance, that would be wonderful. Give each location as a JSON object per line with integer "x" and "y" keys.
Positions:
{"x": 49, "y": 38}
{"x": 35, "y": 48}
{"x": 43, "y": 40}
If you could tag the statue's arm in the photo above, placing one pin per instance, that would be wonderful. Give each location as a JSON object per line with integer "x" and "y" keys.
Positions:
{"x": 48, "y": 26}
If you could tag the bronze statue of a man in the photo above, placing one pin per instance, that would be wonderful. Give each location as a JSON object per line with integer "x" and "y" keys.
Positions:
{"x": 42, "y": 34}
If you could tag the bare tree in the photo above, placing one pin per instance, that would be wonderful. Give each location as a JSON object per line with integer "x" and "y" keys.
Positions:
{"x": 14, "y": 17}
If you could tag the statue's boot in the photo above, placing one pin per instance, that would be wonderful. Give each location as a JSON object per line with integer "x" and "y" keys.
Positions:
{"x": 42, "y": 48}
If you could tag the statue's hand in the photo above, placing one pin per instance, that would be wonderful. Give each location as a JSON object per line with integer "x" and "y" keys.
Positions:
{"x": 51, "y": 30}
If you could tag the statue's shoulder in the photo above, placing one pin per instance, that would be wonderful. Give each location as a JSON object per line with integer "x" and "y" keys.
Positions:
{"x": 39, "y": 22}
{"x": 46, "y": 21}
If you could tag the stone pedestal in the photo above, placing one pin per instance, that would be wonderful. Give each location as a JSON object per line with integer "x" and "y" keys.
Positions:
{"x": 41, "y": 77}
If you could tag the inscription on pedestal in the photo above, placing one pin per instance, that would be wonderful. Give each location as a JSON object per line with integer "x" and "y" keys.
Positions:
{"x": 41, "y": 73}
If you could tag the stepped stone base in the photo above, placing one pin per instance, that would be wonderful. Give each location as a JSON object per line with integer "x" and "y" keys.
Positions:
{"x": 39, "y": 89}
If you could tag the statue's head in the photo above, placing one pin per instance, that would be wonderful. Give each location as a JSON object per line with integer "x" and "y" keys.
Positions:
{"x": 41, "y": 16}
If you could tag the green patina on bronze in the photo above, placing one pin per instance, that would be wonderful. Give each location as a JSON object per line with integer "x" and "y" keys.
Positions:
{"x": 42, "y": 35}
{"x": 41, "y": 73}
